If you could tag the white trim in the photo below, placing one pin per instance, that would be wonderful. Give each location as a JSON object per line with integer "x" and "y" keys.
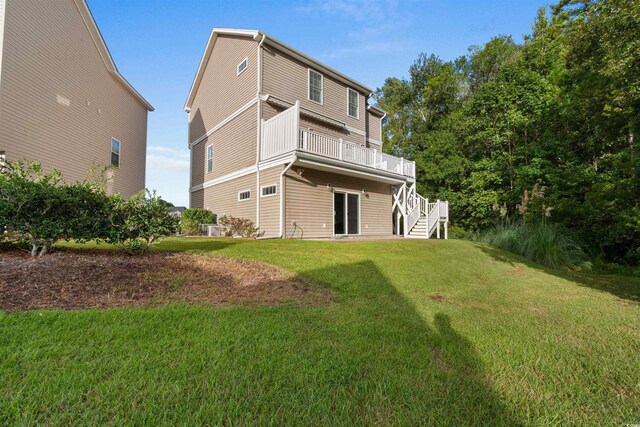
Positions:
{"x": 375, "y": 141}
{"x": 244, "y": 191}
{"x": 355, "y": 130}
{"x": 206, "y": 161}
{"x": 226, "y": 120}
{"x": 357, "y": 116}
{"x": 228, "y": 177}
{"x": 267, "y": 186}
{"x": 309, "y": 70}
{"x": 280, "y": 160}
{"x": 346, "y": 204}
{"x": 334, "y": 164}
{"x": 238, "y": 71}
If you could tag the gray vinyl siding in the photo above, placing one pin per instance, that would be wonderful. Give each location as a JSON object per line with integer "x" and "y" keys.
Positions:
{"x": 286, "y": 78}
{"x": 221, "y": 91}
{"x": 310, "y": 204}
{"x": 58, "y": 102}
{"x": 270, "y": 205}
{"x": 234, "y": 148}
{"x": 223, "y": 198}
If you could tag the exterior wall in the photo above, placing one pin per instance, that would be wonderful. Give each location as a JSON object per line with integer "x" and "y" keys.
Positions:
{"x": 58, "y": 102}
{"x": 270, "y": 205}
{"x": 223, "y": 198}
{"x": 234, "y": 148}
{"x": 222, "y": 91}
{"x": 374, "y": 127}
{"x": 288, "y": 79}
{"x": 309, "y": 203}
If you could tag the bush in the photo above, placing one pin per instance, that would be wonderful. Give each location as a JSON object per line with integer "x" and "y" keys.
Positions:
{"x": 237, "y": 227}
{"x": 38, "y": 208}
{"x": 541, "y": 242}
{"x": 191, "y": 219}
{"x": 137, "y": 223}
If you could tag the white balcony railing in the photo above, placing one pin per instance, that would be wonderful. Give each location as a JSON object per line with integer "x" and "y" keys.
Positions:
{"x": 282, "y": 134}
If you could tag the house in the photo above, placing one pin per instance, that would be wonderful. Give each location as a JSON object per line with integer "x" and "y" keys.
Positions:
{"x": 292, "y": 144}
{"x": 62, "y": 100}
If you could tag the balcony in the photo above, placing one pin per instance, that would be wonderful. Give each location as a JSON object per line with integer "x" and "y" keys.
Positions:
{"x": 282, "y": 135}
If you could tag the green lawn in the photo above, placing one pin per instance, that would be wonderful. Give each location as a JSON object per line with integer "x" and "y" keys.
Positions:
{"x": 421, "y": 332}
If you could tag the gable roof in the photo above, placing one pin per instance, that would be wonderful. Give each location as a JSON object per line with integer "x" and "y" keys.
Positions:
{"x": 94, "y": 31}
{"x": 270, "y": 41}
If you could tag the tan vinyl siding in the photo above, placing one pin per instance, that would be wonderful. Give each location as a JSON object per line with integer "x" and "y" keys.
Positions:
{"x": 234, "y": 148}
{"x": 287, "y": 79}
{"x": 222, "y": 91}
{"x": 59, "y": 104}
{"x": 310, "y": 203}
{"x": 375, "y": 128}
{"x": 223, "y": 198}
{"x": 270, "y": 205}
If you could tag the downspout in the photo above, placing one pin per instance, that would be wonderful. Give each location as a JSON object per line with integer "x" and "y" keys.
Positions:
{"x": 282, "y": 174}
{"x": 259, "y": 128}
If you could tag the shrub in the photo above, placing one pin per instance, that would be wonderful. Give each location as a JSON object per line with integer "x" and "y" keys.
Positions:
{"x": 544, "y": 243}
{"x": 38, "y": 208}
{"x": 137, "y": 223}
{"x": 241, "y": 227}
{"x": 191, "y": 219}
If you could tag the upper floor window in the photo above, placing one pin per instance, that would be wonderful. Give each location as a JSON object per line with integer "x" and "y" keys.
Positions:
{"x": 244, "y": 195}
{"x": 209, "y": 158}
{"x": 115, "y": 152}
{"x": 315, "y": 86}
{"x": 354, "y": 103}
{"x": 243, "y": 65}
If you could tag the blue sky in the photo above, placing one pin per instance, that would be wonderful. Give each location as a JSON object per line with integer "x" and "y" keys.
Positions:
{"x": 157, "y": 45}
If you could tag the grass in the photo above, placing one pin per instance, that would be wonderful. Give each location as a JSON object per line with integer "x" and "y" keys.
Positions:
{"x": 421, "y": 332}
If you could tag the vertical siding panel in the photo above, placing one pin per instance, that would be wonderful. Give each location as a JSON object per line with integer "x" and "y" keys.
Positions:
{"x": 58, "y": 102}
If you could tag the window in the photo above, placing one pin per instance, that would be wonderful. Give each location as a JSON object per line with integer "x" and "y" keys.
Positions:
{"x": 269, "y": 190}
{"x": 243, "y": 65}
{"x": 315, "y": 86}
{"x": 115, "y": 152}
{"x": 244, "y": 195}
{"x": 354, "y": 103}
{"x": 209, "y": 158}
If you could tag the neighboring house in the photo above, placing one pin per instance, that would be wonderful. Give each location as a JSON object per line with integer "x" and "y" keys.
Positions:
{"x": 290, "y": 143}
{"x": 62, "y": 100}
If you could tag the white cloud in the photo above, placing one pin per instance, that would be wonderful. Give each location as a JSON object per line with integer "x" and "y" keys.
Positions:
{"x": 360, "y": 10}
{"x": 166, "y": 158}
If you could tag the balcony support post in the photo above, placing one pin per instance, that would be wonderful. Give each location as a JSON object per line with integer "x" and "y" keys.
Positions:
{"x": 341, "y": 149}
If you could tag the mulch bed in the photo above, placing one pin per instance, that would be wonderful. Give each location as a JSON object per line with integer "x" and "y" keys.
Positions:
{"x": 76, "y": 279}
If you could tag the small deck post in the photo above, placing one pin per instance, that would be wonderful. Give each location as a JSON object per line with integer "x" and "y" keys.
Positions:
{"x": 341, "y": 148}
{"x": 438, "y": 229}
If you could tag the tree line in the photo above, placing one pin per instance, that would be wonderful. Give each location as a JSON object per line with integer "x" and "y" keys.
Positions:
{"x": 554, "y": 118}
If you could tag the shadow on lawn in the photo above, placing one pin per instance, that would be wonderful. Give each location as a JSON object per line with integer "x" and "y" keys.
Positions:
{"x": 370, "y": 358}
{"x": 623, "y": 287}
{"x": 410, "y": 371}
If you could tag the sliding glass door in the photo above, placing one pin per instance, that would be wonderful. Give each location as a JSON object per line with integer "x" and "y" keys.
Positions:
{"x": 346, "y": 213}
